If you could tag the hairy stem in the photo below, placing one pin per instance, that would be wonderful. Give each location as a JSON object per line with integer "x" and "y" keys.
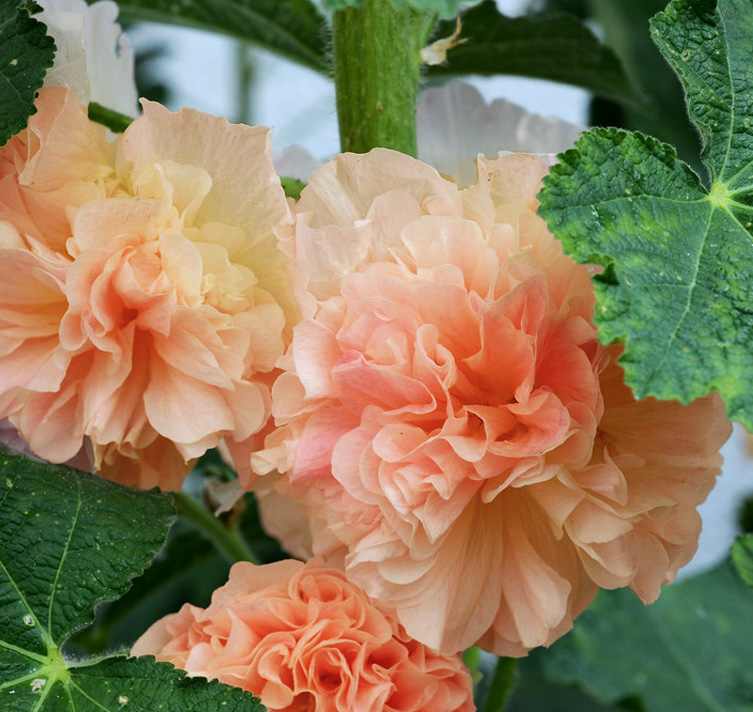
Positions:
{"x": 227, "y": 540}
{"x": 376, "y": 62}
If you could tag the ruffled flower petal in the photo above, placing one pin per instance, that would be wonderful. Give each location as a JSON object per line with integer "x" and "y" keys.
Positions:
{"x": 149, "y": 301}
{"x": 452, "y": 432}
{"x": 303, "y": 637}
{"x": 455, "y": 124}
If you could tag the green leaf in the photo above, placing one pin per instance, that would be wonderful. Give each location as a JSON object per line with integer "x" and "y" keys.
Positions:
{"x": 26, "y": 52}
{"x": 120, "y": 684}
{"x": 291, "y": 28}
{"x": 666, "y": 118}
{"x": 555, "y": 46}
{"x": 742, "y": 558}
{"x": 446, "y": 8}
{"x": 187, "y": 570}
{"x": 534, "y": 692}
{"x": 67, "y": 542}
{"x": 292, "y": 187}
{"x": 689, "y": 651}
{"x": 679, "y": 257}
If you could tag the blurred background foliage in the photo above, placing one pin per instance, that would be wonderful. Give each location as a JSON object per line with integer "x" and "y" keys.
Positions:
{"x": 623, "y": 26}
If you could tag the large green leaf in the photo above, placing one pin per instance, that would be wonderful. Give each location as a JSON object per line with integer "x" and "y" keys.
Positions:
{"x": 689, "y": 651}
{"x": 554, "y": 46}
{"x": 187, "y": 570}
{"x": 291, "y": 28}
{"x": 534, "y": 692}
{"x": 68, "y": 541}
{"x": 624, "y": 26}
{"x": 678, "y": 282}
{"x": 26, "y": 52}
{"x": 742, "y": 558}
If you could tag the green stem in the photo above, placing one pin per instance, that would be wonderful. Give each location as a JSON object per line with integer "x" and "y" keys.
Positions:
{"x": 246, "y": 76}
{"x": 501, "y": 684}
{"x": 107, "y": 117}
{"x": 376, "y": 60}
{"x": 228, "y": 540}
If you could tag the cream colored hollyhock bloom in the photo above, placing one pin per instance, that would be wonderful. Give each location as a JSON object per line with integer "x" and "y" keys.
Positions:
{"x": 448, "y": 424}
{"x": 455, "y": 124}
{"x": 303, "y": 637}
{"x": 146, "y": 300}
{"x": 93, "y": 56}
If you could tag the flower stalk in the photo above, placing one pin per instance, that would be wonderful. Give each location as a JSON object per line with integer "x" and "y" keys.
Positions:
{"x": 376, "y": 63}
{"x": 501, "y": 684}
{"x": 227, "y": 540}
{"x": 113, "y": 120}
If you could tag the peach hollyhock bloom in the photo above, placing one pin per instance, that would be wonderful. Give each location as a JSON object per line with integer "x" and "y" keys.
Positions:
{"x": 144, "y": 300}
{"x": 303, "y": 637}
{"x": 457, "y": 439}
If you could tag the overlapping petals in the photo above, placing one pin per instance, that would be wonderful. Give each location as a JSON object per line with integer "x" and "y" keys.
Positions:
{"x": 303, "y": 637}
{"x": 147, "y": 299}
{"x": 455, "y": 124}
{"x": 93, "y": 57}
{"x": 452, "y": 432}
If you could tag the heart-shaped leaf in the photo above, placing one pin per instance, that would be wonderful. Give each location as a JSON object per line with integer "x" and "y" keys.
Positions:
{"x": 26, "y": 53}
{"x": 677, "y": 286}
{"x": 68, "y": 541}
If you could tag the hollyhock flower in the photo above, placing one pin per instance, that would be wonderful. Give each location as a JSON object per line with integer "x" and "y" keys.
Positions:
{"x": 448, "y": 425}
{"x": 93, "y": 56}
{"x": 145, "y": 300}
{"x": 304, "y": 637}
{"x": 455, "y": 124}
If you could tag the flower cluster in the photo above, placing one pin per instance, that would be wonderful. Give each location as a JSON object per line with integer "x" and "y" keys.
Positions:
{"x": 146, "y": 298}
{"x": 407, "y": 373}
{"x": 301, "y": 636}
{"x": 446, "y": 413}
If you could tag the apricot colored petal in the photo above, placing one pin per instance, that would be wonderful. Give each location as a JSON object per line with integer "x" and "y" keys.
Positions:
{"x": 52, "y": 423}
{"x": 448, "y": 616}
{"x": 314, "y": 448}
{"x": 342, "y": 191}
{"x": 70, "y": 148}
{"x": 171, "y": 394}
{"x": 194, "y": 348}
{"x": 156, "y": 464}
{"x": 58, "y": 164}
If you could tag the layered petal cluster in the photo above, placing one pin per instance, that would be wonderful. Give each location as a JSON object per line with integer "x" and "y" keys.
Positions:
{"x": 455, "y": 124}
{"x": 448, "y": 425}
{"x": 145, "y": 299}
{"x": 93, "y": 57}
{"x": 302, "y": 637}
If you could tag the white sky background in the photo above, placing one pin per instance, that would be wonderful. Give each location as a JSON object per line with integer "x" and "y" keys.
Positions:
{"x": 201, "y": 70}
